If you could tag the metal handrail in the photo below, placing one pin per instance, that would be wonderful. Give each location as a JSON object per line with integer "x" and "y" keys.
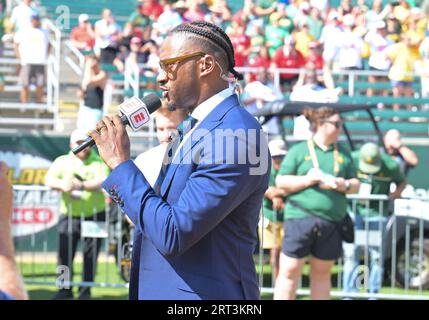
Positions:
{"x": 72, "y": 52}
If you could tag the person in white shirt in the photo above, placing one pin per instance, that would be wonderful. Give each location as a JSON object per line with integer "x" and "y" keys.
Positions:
{"x": 21, "y": 15}
{"x": 378, "y": 61}
{"x": 107, "y": 37}
{"x": 32, "y": 49}
{"x": 350, "y": 46}
{"x": 150, "y": 161}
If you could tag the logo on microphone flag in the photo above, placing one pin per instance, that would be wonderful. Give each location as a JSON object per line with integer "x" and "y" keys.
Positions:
{"x": 139, "y": 118}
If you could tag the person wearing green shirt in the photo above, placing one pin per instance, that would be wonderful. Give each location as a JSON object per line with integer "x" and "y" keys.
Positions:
{"x": 271, "y": 225}
{"x": 79, "y": 178}
{"x": 376, "y": 172}
{"x": 316, "y": 174}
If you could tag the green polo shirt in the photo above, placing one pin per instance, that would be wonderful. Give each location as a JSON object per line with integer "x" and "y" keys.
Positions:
{"x": 268, "y": 212}
{"x": 380, "y": 183}
{"x": 90, "y": 202}
{"x": 327, "y": 204}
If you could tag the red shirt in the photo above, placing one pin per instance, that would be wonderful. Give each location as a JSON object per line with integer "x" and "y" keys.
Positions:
{"x": 81, "y": 35}
{"x": 294, "y": 60}
{"x": 152, "y": 9}
{"x": 317, "y": 60}
{"x": 259, "y": 62}
{"x": 240, "y": 44}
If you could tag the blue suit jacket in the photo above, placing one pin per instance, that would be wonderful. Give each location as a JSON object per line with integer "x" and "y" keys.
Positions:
{"x": 196, "y": 239}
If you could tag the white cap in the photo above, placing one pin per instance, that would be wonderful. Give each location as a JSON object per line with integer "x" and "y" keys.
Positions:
{"x": 332, "y": 15}
{"x": 348, "y": 20}
{"x": 83, "y": 17}
{"x": 78, "y": 135}
{"x": 277, "y": 147}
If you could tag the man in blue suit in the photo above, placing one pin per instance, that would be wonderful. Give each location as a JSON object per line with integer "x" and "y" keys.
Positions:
{"x": 196, "y": 229}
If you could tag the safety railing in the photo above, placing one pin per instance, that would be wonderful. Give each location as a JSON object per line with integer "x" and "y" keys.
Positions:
{"x": 74, "y": 58}
{"x": 393, "y": 249}
{"x": 40, "y": 232}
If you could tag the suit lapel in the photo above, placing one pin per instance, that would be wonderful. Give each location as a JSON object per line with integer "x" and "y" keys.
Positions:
{"x": 213, "y": 120}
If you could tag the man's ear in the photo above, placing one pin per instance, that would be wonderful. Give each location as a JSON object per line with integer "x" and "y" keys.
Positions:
{"x": 207, "y": 65}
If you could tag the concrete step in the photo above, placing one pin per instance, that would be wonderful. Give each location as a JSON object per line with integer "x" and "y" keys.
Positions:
{"x": 4, "y": 69}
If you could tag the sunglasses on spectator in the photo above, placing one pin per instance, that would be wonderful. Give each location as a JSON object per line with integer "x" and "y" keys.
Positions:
{"x": 166, "y": 65}
{"x": 337, "y": 124}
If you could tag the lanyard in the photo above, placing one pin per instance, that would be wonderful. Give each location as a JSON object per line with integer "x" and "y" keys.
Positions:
{"x": 313, "y": 156}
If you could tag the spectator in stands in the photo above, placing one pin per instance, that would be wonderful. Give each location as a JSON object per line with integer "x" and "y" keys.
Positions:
{"x": 169, "y": 19}
{"x": 315, "y": 23}
{"x": 219, "y": 13}
{"x": 376, "y": 14}
{"x": 393, "y": 28}
{"x": 303, "y": 39}
{"x": 403, "y": 155}
{"x": 151, "y": 8}
{"x": 271, "y": 224}
{"x": 139, "y": 24}
{"x": 92, "y": 93}
{"x": 260, "y": 60}
{"x": 11, "y": 284}
{"x": 331, "y": 32}
{"x": 376, "y": 171}
{"x": 310, "y": 87}
{"x": 107, "y": 37}
{"x": 240, "y": 41}
{"x": 22, "y": 15}
{"x": 403, "y": 56}
{"x": 377, "y": 40}
{"x": 321, "y": 170}
{"x": 288, "y": 57}
{"x": 79, "y": 178}
{"x": 345, "y": 8}
{"x": 350, "y": 46}
{"x": 259, "y": 92}
{"x": 135, "y": 57}
{"x": 195, "y": 11}
{"x": 82, "y": 36}
{"x": 32, "y": 49}
{"x": 275, "y": 33}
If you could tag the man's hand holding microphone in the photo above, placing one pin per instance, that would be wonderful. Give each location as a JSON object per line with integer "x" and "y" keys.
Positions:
{"x": 110, "y": 134}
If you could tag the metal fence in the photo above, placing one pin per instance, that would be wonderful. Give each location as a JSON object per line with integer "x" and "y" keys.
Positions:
{"x": 37, "y": 225}
{"x": 400, "y": 240}
{"x": 396, "y": 245}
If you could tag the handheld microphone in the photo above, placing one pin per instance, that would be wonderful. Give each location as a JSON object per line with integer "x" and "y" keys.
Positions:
{"x": 135, "y": 112}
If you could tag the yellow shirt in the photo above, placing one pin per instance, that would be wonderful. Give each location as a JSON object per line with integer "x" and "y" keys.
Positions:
{"x": 303, "y": 43}
{"x": 403, "y": 59}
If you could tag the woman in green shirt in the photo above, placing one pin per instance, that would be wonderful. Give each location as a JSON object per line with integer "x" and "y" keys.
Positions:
{"x": 316, "y": 174}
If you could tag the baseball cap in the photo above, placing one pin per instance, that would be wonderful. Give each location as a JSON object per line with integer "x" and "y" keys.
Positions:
{"x": 369, "y": 158}
{"x": 78, "y": 135}
{"x": 277, "y": 147}
{"x": 35, "y": 16}
{"x": 83, "y": 17}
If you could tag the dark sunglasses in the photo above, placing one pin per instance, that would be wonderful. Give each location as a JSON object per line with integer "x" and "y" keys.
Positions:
{"x": 337, "y": 124}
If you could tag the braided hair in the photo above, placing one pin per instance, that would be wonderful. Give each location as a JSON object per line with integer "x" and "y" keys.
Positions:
{"x": 215, "y": 36}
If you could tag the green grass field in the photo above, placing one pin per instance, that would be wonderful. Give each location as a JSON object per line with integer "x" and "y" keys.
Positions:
{"x": 109, "y": 273}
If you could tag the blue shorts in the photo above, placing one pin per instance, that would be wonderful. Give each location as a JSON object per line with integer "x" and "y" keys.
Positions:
{"x": 311, "y": 236}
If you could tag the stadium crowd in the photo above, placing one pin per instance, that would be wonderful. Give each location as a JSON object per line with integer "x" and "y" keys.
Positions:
{"x": 371, "y": 35}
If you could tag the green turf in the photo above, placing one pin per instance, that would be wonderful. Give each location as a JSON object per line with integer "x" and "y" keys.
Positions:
{"x": 108, "y": 273}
